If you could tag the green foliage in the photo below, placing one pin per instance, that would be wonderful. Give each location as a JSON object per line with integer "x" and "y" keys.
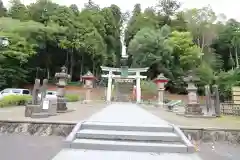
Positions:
{"x": 44, "y": 36}
{"x": 14, "y": 100}
{"x": 227, "y": 80}
{"x": 74, "y": 83}
{"x": 150, "y": 47}
{"x": 18, "y": 10}
{"x": 72, "y": 97}
{"x": 148, "y": 87}
{"x": 185, "y": 50}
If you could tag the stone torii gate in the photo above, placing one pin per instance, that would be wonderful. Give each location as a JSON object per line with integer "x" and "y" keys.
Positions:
{"x": 112, "y": 76}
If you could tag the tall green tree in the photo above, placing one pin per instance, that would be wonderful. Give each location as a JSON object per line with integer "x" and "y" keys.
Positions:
{"x": 152, "y": 48}
{"x": 18, "y": 10}
{"x": 3, "y": 10}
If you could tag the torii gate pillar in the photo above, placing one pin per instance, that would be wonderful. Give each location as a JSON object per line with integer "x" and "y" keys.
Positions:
{"x": 138, "y": 87}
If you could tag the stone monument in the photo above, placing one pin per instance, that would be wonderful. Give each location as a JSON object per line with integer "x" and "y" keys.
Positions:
{"x": 193, "y": 106}
{"x": 44, "y": 89}
{"x": 35, "y": 92}
{"x": 208, "y": 98}
{"x": 160, "y": 81}
{"x": 88, "y": 78}
{"x": 42, "y": 108}
{"x": 34, "y": 106}
{"x": 62, "y": 82}
{"x": 216, "y": 100}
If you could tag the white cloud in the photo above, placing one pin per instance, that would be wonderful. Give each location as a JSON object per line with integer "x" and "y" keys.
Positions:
{"x": 228, "y": 7}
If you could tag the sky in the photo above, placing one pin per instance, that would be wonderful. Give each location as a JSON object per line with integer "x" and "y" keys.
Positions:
{"x": 228, "y": 7}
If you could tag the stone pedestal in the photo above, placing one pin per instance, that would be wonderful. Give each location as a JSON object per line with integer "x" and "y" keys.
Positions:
{"x": 31, "y": 108}
{"x": 193, "y": 109}
{"x": 193, "y": 106}
{"x": 61, "y": 104}
{"x": 47, "y": 108}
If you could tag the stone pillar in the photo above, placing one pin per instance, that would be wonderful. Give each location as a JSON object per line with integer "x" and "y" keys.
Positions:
{"x": 160, "y": 81}
{"x": 44, "y": 89}
{"x": 138, "y": 87}
{"x": 109, "y": 87}
{"x": 160, "y": 102}
{"x": 88, "y": 86}
{"x": 35, "y": 91}
{"x": 216, "y": 101}
{"x": 208, "y": 98}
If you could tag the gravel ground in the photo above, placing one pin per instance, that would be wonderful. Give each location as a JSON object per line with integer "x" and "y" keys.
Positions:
{"x": 227, "y": 122}
{"x": 22, "y": 147}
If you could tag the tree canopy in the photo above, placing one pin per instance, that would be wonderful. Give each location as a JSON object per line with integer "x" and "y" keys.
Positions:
{"x": 44, "y": 36}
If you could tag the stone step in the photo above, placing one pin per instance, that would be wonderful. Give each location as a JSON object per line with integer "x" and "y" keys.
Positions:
{"x": 93, "y": 144}
{"x": 40, "y": 115}
{"x": 126, "y": 127}
{"x": 128, "y": 135}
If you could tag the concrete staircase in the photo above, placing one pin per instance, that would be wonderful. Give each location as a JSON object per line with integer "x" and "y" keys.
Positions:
{"x": 126, "y": 137}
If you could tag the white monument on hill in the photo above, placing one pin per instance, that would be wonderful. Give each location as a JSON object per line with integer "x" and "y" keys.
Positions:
{"x": 124, "y": 76}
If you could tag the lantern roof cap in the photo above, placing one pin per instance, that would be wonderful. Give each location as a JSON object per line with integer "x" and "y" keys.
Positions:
{"x": 161, "y": 77}
{"x": 88, "y": 75}
{"x": 191, "y": 77}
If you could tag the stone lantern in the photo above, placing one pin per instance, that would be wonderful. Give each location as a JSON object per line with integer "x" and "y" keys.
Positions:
{"x": 88, "y": 78}
{"x": 160, "y": 81}
{"x": 193, "y": 106}
{"x": 62, "y": 77}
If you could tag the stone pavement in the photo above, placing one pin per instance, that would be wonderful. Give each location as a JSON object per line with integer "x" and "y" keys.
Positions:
{"x": 126, "y": 113}
{"x": 126, "y": 131}
{"x": 224, "y": 122}
{"x": 45, "y": 148}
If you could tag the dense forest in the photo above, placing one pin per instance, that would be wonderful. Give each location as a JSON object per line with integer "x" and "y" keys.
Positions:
{"x": 44, "y": 35}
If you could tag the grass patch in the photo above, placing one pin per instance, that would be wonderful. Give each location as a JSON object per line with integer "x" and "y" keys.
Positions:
{"x": 14, "y": 100}
{"x": 72, "y": 97}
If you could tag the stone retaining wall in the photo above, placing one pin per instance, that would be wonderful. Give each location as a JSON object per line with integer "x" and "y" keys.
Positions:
{"x": 37, "y": 128}
{"x": 212, "y": 134}
{"x": 64, "y": 128}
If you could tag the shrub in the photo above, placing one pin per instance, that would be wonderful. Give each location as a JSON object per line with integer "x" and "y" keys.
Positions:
{"x": 72, "y": 97}
{"x": 14, "y": 100}
{"x": 225, "y": 81}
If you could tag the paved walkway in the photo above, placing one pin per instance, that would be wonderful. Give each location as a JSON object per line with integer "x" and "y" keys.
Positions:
{"x": 126, "y": 113}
